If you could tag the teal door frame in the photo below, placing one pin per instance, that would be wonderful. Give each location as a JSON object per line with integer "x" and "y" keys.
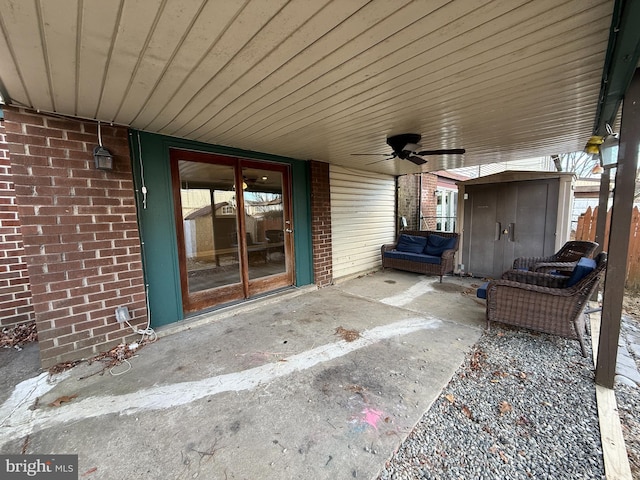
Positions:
{"x": 156, "y": 220}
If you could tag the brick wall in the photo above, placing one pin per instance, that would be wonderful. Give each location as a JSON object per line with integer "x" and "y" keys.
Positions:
{"x": 321, "y": 224}
{"x": 408, "y": 199}
{"x": 15, "y": 291}
{"x": 429, "y": 201}
{"x": 80, "y": 233}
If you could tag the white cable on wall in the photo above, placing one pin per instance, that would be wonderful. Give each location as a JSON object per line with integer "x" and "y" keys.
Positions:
{"x": 144, "y": 186}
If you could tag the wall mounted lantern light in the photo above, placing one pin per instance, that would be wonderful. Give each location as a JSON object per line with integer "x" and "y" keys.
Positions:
{"x": 102, "y": 156}
{"x": 604, "y": 150}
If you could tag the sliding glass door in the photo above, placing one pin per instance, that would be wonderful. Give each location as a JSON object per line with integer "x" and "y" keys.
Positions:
{"x": 234, "y": 231}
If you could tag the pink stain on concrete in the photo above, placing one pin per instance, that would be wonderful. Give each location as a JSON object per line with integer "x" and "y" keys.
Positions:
{"x": 372, "y": 417}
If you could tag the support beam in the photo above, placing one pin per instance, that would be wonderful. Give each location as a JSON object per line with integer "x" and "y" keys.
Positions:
{"x": 603, "y": 205}
{"x": 619, "y": 235}
{"x": 623, "y": 53}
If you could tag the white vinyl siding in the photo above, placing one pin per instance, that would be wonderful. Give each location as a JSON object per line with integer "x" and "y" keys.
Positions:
{"x": 362, "y": 219}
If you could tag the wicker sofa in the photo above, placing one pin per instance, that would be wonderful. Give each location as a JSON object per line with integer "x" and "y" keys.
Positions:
{"x": 544, "y": 302}
{"x": 436, "y": 257}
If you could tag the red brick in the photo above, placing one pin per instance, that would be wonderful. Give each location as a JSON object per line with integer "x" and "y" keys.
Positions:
{"x": 64, "y": 124}
{"x": 67, "y": 320}
{"x": 53, "y": 333}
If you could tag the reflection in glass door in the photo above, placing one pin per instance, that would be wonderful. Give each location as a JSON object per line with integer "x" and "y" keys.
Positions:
{"x": 234, "y": 230}
{"x": 264, "y": 222}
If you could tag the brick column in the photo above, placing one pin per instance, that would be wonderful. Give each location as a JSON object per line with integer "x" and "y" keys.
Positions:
{"x": 15, "y": 290}
{"x": 321, "y": 224}
{"x": 80, "y": 233}
{"x": 409, "y": 199}
{"x": 429, "y": 201}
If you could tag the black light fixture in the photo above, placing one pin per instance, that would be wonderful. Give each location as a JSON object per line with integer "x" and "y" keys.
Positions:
{"x": 102, "y": 156}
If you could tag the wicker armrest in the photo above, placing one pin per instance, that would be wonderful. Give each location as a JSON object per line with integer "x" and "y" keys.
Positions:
{"x": 448, "y": 253}
{"x": 528, "y": 262}
{"x": 535, "y": 278}
{"x": 564, "y": 267}
{"x": 560, "y": 292}
{"x": 388, "y": 246}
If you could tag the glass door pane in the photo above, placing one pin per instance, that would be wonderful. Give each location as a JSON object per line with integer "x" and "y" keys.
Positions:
{"x": 264, "y": 219}
{"x": 209, "y": 224}
{"x": 234, "y": 231}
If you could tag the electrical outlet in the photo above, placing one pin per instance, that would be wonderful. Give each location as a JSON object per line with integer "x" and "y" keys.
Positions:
{"x": 122, "y": 314}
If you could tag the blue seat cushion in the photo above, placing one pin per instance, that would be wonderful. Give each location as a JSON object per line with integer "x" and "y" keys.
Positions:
{"x": 411, "y": 243}
{"x": 583, "y": 268}
{"x": 437, "y": 244}
{"x": 413, "y": 257}
{"x": 481, "y": 292}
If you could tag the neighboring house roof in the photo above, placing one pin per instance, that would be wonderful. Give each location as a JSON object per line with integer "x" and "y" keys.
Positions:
{"x": 204, "y": 211}
{"x": 451, "y": 175}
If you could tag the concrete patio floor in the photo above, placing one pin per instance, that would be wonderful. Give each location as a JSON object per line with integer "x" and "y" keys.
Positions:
{"x": 263, "y": 391}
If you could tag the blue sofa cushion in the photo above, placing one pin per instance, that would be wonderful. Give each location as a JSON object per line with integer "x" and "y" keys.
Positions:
{"x": 481, "y": 292}
{"x": 413, "y": 257}
{"x": 437, "y": 244}
{"x": 583, "y": 268}
{"x": 411, "y": 243}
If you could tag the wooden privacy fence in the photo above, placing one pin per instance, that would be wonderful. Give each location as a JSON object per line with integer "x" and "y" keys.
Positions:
{"x": 586, "y": 230}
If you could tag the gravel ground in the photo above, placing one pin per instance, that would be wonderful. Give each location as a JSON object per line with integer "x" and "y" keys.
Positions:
{"x": 628, "y": 400}
{"x": 521, "y": 406}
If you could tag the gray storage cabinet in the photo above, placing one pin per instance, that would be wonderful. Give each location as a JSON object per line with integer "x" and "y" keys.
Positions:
{"x": 510, "y": 215}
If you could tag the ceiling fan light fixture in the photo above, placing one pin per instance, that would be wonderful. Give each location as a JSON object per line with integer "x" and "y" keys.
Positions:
{"x": 412, "y": 147}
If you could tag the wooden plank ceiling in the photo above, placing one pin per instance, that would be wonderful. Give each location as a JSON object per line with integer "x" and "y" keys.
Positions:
{"x": 319, "y": 79}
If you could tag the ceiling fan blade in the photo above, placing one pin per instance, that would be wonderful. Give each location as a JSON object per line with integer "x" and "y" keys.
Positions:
{"x": 451, "y": 151}
{"x": 390, "y": 156}
{"x": 416, "y": 160}
{"x": 370, "y": 154}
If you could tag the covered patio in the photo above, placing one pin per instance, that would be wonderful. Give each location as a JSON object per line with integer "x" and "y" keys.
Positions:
{"x": 311, "y": 384}
{"x": 311, "y": 91}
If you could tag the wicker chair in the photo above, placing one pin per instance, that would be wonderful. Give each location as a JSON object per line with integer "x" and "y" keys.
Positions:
{"x": 538, "y": 301}
{"x": 563, "y": 260}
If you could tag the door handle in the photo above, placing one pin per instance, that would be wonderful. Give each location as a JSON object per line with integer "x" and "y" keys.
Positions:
{"x": 288, "y": 230}
{"x": 498, "y": 231}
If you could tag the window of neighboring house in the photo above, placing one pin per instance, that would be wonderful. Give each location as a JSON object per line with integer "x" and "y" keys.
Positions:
{"x": 227, "y": 210}
{"x": 446, "y": 209}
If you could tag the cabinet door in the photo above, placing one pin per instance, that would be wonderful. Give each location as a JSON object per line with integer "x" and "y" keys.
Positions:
{"x": 536, "y": 211}
{"x": 480, "y": 230}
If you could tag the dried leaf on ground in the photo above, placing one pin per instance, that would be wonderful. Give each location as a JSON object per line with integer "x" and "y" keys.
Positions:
{"x": 112, "y": 358}
{"x": 61, "y": 367}
{"x": 467, "y": 412}
{"x": 477, "y": 359}
{"x": 504, "y": 458}
{"x": 18, "y": 335}
{"x": 505, "y": 407}
{"x": 60, "y": 400}
{"x": 347, "y": 335}
{"x": 450, "y": 397}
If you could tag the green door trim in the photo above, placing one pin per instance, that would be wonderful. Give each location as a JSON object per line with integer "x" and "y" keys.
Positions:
{"x": 156, "y": 220}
